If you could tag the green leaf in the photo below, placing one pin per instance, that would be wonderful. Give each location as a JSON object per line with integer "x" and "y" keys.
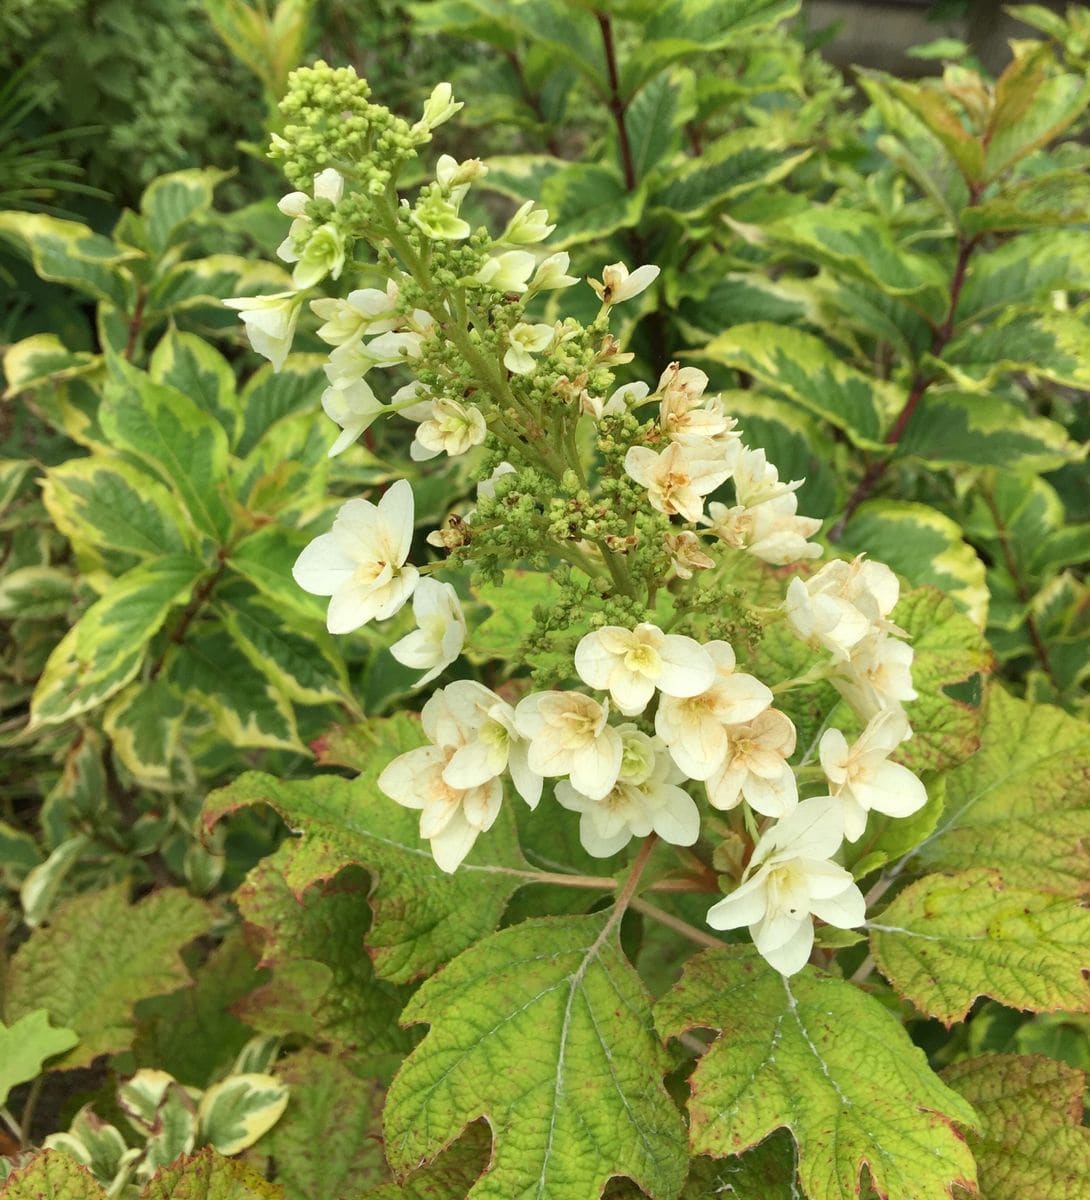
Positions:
{"x": 767, "y": 1172}
{"x": 929, "y": 101}
{"x": 36, "y": 593}
{"x": 305, "y": 664}
{"x": 655, "y": 117}
{"x": 235, "y": 1112}
{"x": 586, "y": 1102}
{"x": 190, "y": 365}
{"x": 501, "y": 634}
{"x": 144, "y": 723}
{"x": 947, "y": 939}
{"x": 422, "y": 917}
{"x": 817, "y": 1055}
{"x": 952, "y": 429}
{"x": 42, "y": 359}
{"x": 804, "y": 369}
{"x": 449, "y": 1177}
{"x": 207, "y": 281}
{"x": 171, "y": 201}
{"x": 193, "y": 1032}
{"x": 925, "y": 546}
{"x": 42, "y": 885}
{"x": 209, "y": 1176}
{"x": 1045, "y": 345}
{"x": 249, "y": 710}
{"x": 269, "y": 395}
{"x": 265, "y": 559}
{"x": 684, "y": 29}
{"x": 69, "y": 252}
{"x": 323, "y": 984}
{"x": 735, "y": 164}
{"x": 1057, "y": 198}
{"x": 25, "y": 1045}
{"x": 862, "y": 245}
{"x": 97, "y": 958}
{"x": 1030, "y": 109}
{"x": 52, "y": 1175}
{"x": 1032, "y": 1141}
{"x": 104, "y": 502}
{"x": 1021, "y": 804}
{"x": 328, "y": 1142}
{"x": 949, "y": 650}
{"x": 18, "y": 854}
{"x": 171, "y": 435}
{"x": 587, "y": 202}
{"x": 1026, "y": 270}
{"x": 105, "y": 648}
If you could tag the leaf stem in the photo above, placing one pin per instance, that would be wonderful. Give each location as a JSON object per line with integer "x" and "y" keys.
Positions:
{"x": 31, "y": 1104}
{"x": 676, "y": 923}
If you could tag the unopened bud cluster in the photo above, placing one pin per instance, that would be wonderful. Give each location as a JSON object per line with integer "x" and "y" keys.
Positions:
{"x": 650, "y": 719}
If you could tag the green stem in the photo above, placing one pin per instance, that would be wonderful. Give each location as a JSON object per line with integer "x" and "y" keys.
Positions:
{"x": 676, "y": 923}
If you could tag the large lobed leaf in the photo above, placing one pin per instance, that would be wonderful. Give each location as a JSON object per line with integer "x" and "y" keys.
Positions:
{"x": 1032, "y": 1143}
{"x": 544, "y": 1029}
{"x": 1021, "y": 804}
{"x": 820, "y": 1057}
{"x": 98, "y": 956}
{"x": 948, "y": 939}
{"x": 422, "y": 917}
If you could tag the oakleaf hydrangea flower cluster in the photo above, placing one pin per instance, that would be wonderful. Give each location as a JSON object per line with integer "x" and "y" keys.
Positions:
{"x": 645, "y": 715}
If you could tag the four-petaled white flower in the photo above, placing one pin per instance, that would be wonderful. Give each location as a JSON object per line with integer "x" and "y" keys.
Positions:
{"x": 315, "y": 250}
{"x": 755, "y": 768}
{"x": 451, "y": 173}
{"x": 451, "y": 817}
{"x": 569, "y": 735}
{"x": 491, "y": 743}
{"x": 360, "y": 564}
{"x": 523, "y": 342}
{"x": 686, "y": 555}
{"x": 757, "y": 480}
{"x": 440, "y": 634}
{"x": 631, "y": 663}
{"x": 695, "y": 728}
{"x": 449, "y": 427}
{"x": 790, "y": 879}
{"x": 617, "y": 284}
{"x": 862, "y": 778}
{"x": 842, "y": 603}
{"x": 527, "y": 226}
{"x": 644, "y": 799}
{"x": 269, "y": 322}
{"x": 678, "y": 479}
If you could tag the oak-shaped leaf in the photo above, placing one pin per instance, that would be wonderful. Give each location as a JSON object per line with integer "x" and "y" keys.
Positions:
{"x": 97, "y": 957}
{"x": 26, "y": 1044}
{"x": 818, "y": 1056}
{"x": 422, "y": 917}
{"x": 544, "y": 1029}
{"x": 1032, "y": 1142}
{"x": 947, "y": 939}
{"x": 1021, "y": 804}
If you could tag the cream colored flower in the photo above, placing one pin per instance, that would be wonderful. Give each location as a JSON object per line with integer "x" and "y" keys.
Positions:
{"x": 788, "y": 881}
{"x": 862, "y": 778}
{"x": 695, "y": 728}
{"x": 523, "y": 342}
{"x": 269, "y": 322}
{"x": 568, "y": 735}
{"x": 706, "y": 430}
{"x": 440, "y": 106}
{"x": 631, "y": 663}
{"x": 771, "y": 531}
{"x": 686, "y": 554}
{"x": 490, "y": 743}
{"x": 351, "y": 361}
{"x": 755, "y": 768}
{"x": 644, "y": 799}
{"x": 360, "y": 564}
{"x": 617, "y": 284}
{"x": 552, "y": 273}
{"x": 877, "y": 676}
{"x": 527, "y": 226}
{"x": 440, "y": 634}
{"x": 451, "y": 173}
{"x": 506, "y": 272}
{"x": 757, "y": 480}
{"x": 676, "y": 480}
{"x": 451, "y": 428}
{"x": 842, "y": 603}
{"x": 365, "y": 310}
{"x": 619, "y": 402}
{"x": 354, "y": 409}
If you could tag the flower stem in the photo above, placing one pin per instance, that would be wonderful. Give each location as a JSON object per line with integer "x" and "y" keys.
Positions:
{"x": 676, "y": 923}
